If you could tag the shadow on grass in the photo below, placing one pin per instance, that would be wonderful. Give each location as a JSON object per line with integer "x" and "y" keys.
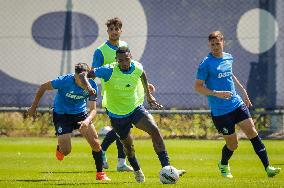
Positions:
{"x": 40, "y": 180}
{"x": 71, "y": 172}
{"x": 68, "y": 172}
{"x": 59, "y": 182}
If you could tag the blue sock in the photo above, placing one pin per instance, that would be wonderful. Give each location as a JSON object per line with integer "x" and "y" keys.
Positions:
{"x": 134, "y": 163}
{"x": 260, "y": 150}
{"x": 226, "y": 155}
{"x": 98, "y": 160}
{"x": 164, "y": 158}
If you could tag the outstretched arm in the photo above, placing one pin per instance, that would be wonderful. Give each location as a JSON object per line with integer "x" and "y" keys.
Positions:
{"x": 151, "y": 100}
{"x": 245, "y": 95}
{"x": 41, "y": 90}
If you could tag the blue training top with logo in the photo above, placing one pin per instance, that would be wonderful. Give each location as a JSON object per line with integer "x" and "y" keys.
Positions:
{"x": 217, "y": 75}
{"x": 70, "y": 98}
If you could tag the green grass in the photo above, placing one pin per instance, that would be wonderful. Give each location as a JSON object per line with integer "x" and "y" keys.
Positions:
{"x": 30, "y": 162}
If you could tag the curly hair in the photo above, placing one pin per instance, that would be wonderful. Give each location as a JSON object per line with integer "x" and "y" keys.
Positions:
{"x": 114, "y": 21}
{"x": 81, "y": 67}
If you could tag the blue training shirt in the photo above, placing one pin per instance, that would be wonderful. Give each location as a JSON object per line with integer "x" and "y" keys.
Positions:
{"x": 217, "y": 75}
{"x": 70, "y": 98}
{"x": 105, "y": 73}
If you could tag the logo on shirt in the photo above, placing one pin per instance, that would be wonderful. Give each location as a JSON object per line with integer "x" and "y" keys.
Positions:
{"x": 128, "y": 85}
{"x": 73, "y": 96}
{"x": 224, "y": 74}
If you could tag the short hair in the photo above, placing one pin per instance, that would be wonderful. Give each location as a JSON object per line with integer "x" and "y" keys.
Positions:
{"x": 81, "y": 67}
{"x": 215, "y": 35}
{"x": 122, "y": 49}
{"x": 114, "y": 21}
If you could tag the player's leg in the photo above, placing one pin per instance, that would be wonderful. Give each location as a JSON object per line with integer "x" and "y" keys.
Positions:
{"x": 64, "y": 146}
{"x": 92, "y": 137}
{"x": 247, "y": 126}
{"x": 145, "y": 121}
{"x": 122, "y": 127}
{"x": 63, "y": 131}
{"x": 130, "y": 152}
{"x": 110, "y": 137}
{"x": 107, "y": 141}
{"x": 226, "y": 127}
{"x": 121, "y": 158}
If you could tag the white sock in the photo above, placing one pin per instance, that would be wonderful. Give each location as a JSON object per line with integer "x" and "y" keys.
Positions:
{"x": 121, "y": 161}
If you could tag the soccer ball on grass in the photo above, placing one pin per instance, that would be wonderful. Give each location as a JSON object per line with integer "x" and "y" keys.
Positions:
{"x": 169, "y": 175}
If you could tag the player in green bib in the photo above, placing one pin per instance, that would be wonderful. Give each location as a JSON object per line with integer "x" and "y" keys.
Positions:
{"x": 105, "y": 54}
{"x": 125, "y": 106}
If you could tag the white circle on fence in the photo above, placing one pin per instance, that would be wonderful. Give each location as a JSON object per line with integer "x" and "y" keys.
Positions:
{"x": 257, "y": 30}
{"x": 24, "y": 59}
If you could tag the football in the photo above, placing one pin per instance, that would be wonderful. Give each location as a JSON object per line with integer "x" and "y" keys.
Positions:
{"x": 169, "y": 175}
{"x": 104, "y": 130}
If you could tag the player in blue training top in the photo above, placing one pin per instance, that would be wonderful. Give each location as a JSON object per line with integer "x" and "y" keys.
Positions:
{"x": 70, "y": 113}
{"x": 215, "y": 79}
{"x": 125, "y": 106}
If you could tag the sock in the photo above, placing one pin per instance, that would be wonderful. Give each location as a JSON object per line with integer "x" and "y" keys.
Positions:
{"x": 108, "y": 140}
{"x": 134, "y": 163}
{"x": 164, "y": 158}
{"x": 226, "y": 155}
{"x": 120, "y": 152}
{"x": 260, "y": 150}
{"x": 98, "y": 160}
{"x": 121, "y": 162}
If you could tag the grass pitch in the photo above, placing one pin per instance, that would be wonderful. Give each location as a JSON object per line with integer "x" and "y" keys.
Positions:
{"x": 30, "y": 162}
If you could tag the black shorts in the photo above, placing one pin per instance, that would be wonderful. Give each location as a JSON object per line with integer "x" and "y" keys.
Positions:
{"x": 122, "y": 126}
{"x": 66, "y": 123}
{"x": 225, "y": 124}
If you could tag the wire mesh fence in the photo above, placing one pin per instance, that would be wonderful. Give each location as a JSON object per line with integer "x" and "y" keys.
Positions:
{"x": 40, "y": 40}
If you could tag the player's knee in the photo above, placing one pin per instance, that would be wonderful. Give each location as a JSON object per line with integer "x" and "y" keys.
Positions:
{"x": 96, "y": 146}
{"x": 129, "y": 150}
{"x": 233, "y": 146}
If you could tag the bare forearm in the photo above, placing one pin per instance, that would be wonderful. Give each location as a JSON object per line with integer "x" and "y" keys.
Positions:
{"x": 145, "y": 83}
{"x": 204, "y": 91}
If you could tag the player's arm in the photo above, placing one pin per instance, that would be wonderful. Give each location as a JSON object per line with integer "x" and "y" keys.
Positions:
{"x": 40, "y": 92}
{"x": 243, "y": 90}
{"x": 151, "y": 100}
{"x": 92, "y": 114}
{"x": 98, "y": 59}
{"x": 85, "y": 81}
{"x": 199, "y": 87}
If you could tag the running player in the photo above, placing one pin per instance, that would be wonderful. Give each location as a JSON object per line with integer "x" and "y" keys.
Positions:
{"x": 70, "y": 113}
{"x": 216, "y": 80}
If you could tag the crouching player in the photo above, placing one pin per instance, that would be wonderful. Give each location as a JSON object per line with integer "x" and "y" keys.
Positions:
{"x": 70, "y": 113}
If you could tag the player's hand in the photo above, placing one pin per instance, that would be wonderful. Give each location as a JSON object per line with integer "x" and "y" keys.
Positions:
{"x": 223, "y": 94}
{"x": 84, "y": 124}
{"x": 91, "y": 91}
{"x": 153, "y": 103}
